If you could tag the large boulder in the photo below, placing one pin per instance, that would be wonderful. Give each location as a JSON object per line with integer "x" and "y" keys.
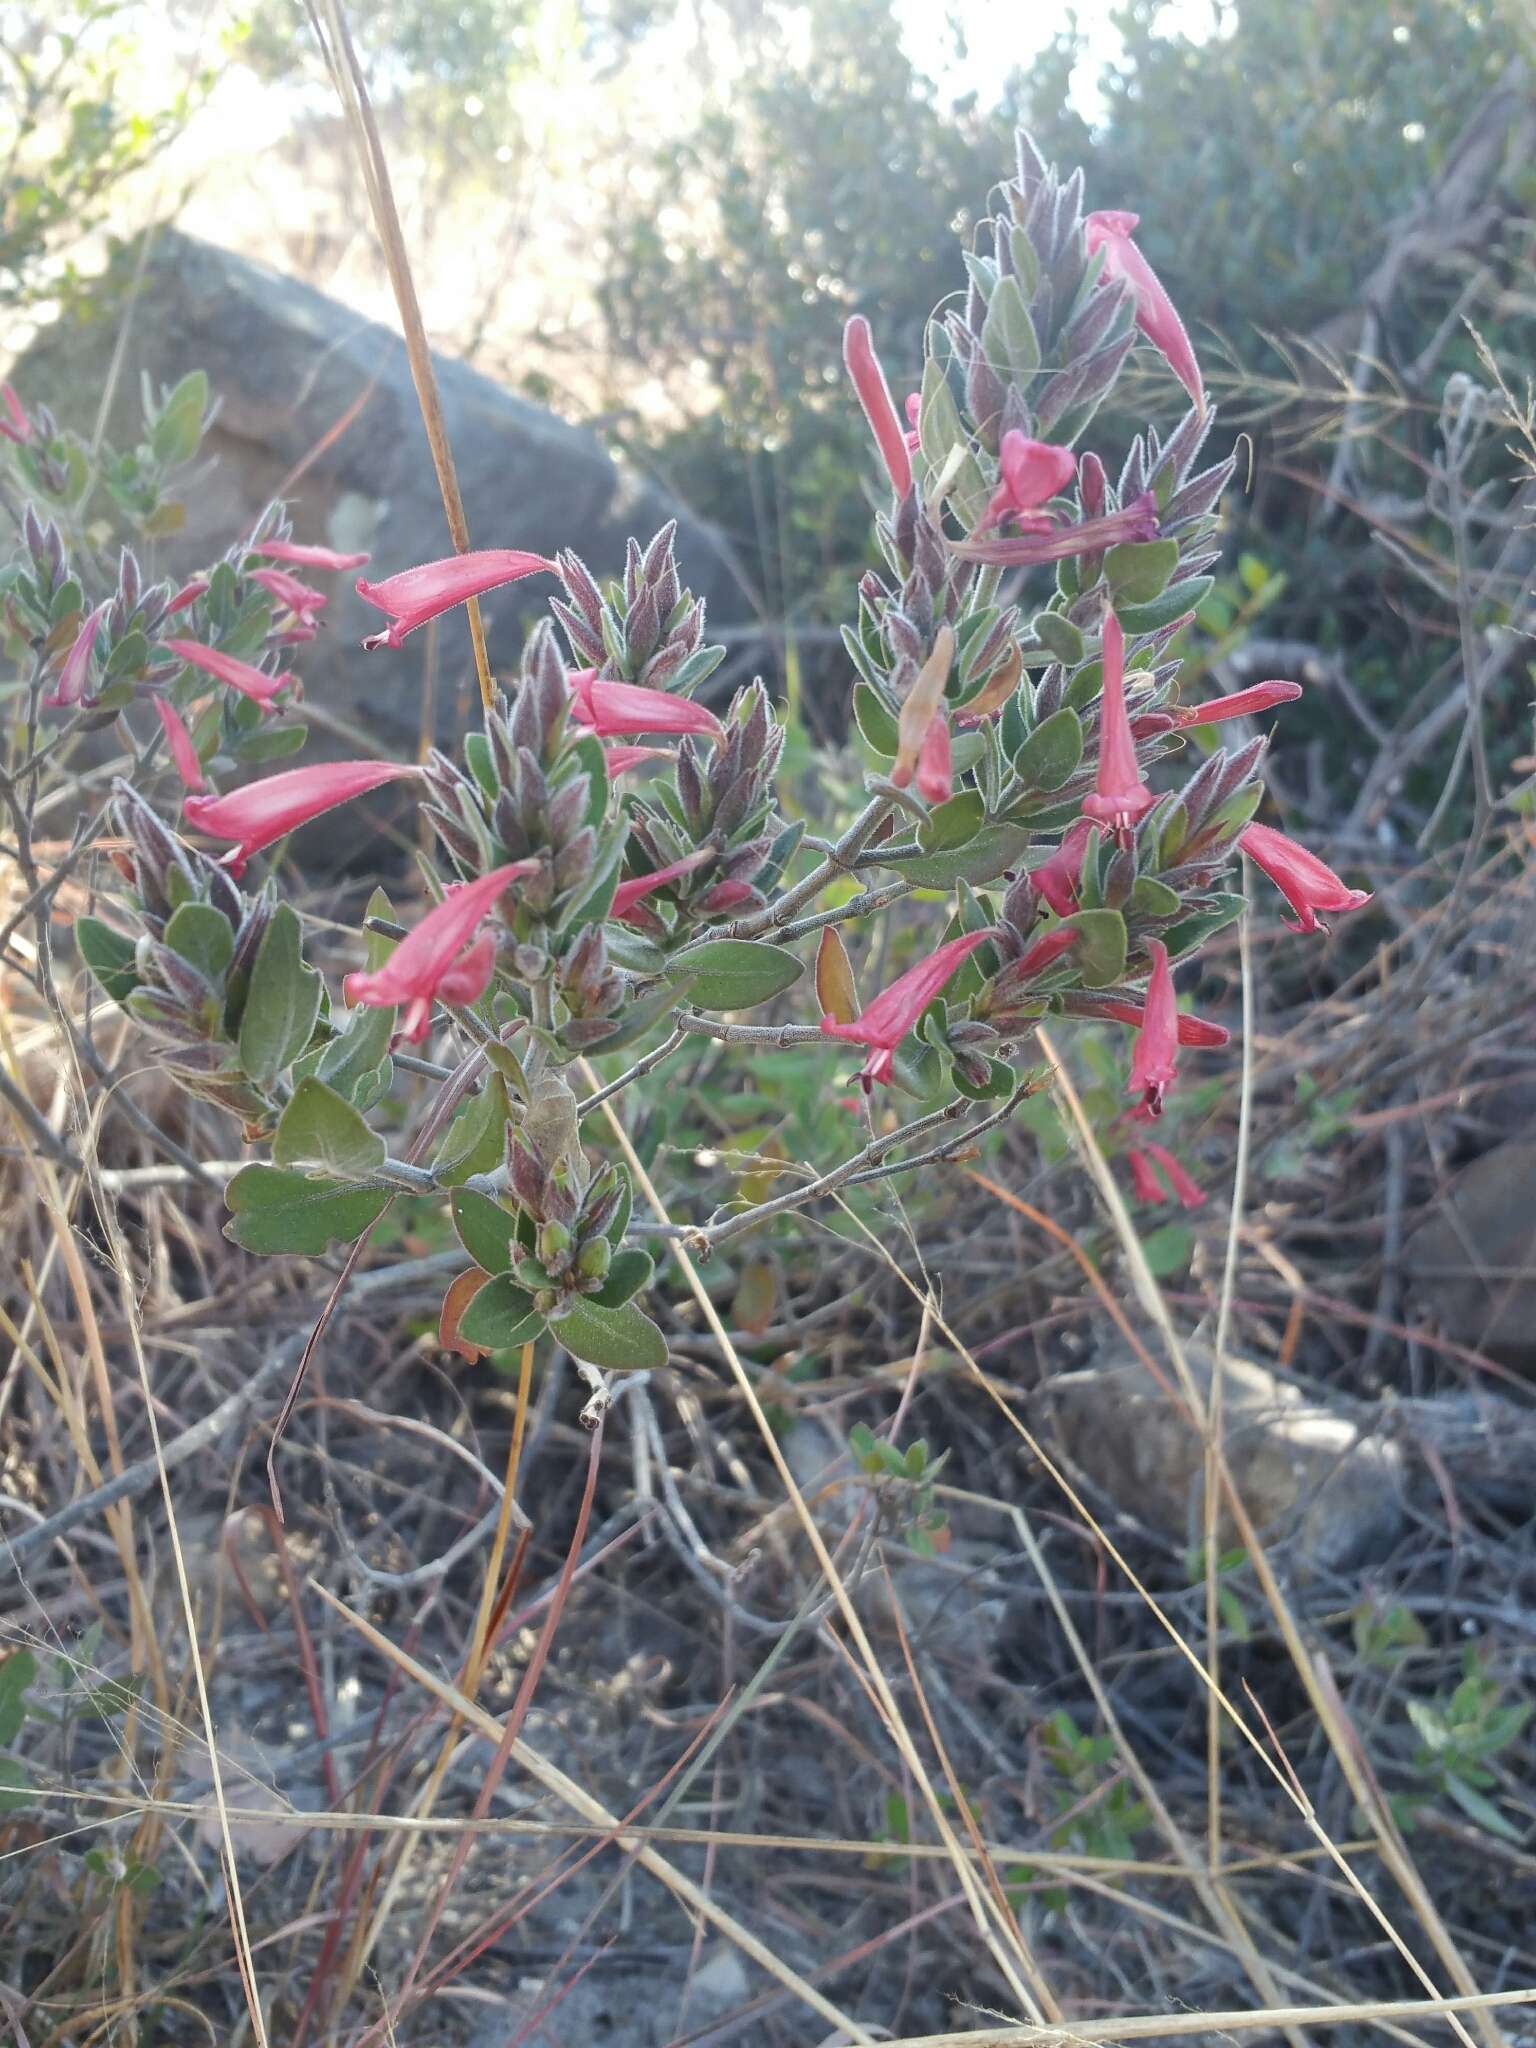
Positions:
{"x": 311, "y": 389}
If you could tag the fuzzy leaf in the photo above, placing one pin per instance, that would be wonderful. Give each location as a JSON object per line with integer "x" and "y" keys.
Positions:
{"x": 282, "y": 1003}
{"x": 617, "y": 1339}
{"x": 109, "y": 955}
{"x": 1049, "y": 757}
{"x": 277, "y": 1211}
{"x": 487, "y": 1232}
{"x": 321, "y": 1131}
{"x": 1138, "y": 570}
{"x": 630, "y": 1271}
{"x": 500, "y": 1315}
{"x": 735, "y": 974}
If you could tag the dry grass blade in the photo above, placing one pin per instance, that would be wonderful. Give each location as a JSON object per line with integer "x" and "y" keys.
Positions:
{"x": 330, "y": 25}
{"x": 1325, "y": 1703}
{"x": 1175, "y": 2026}
{"x": 554, "y": 1780}
{"x": 997, "y": 1926}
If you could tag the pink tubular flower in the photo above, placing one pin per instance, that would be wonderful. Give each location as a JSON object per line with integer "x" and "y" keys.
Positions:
{"x": 188, "y": 594}
{"x": 432, "y": 588}
{"x": 628, "y": 894}
{"x": 292, "y": 594}
{"x": 730, "y": 894}
{"x": 1145, "y": 1184}
{"x": 1307, "y": 883}
{"x": 887, "y": 1020}
{"x": 1032, "y": 472}
{"x": 1057, "y": 878}
{"x": 304, "y": 556}
{"x": 239, "y": 675}
{"x": 914, "y": 412}
{"x": 69, "y": 685}
{"x": 1043, "y": 542}
{"x": 935, "y": 766}
{"x": 612, "y": 708}
{"x": 1241, "y": 704}
{"x": 432, "y": 963}
{"x": 620, "y": 759}
{"x": 1191, "y": 1030}
{"x": 1155, "y": 314}
{"x": 183, "y": 753}
{"x": 266, "y": 811}
{"x": 1120, "y": 797}
{"x": 15, "y": 426}
{"x": 1155, "y": 1063}
{"x": 863, "y": 367}
{"x": 1191, "y": 1195}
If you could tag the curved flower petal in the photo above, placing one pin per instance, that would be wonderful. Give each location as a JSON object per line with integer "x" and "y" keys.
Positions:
{"x": 1155, "y": 1062}
{"x": 611, "y": 708}
{"x": 426, "y": 965}
{"x": 887, "y": 1020}
{"x": 1155, "y": 312}
{"x": 183, "y": 753}
{"x": 874, "y": 394}
{"x": 304, "y": 556}
{"x": 1307, "y": 883}
{"x": 413, "y": 596}
{"x": 266, "y": 811}
{"x": 1120, "y": 796}
{"x": 69, "y": 685}
{"x": 239, "y": 675}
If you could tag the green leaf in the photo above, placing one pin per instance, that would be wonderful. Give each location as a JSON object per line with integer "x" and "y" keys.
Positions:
{"x": 940, "y": 429}
{"x": 877, "y": 724}
{"x": 1161, "y": 611}
{"x": 176, "y": 433}
{"x": 501, "y": 1314}
{"x": 633, "y": 951}
{"x": 1478, "y": 1807}
{"x": 1191, "y": 932}
{"x": 202, "y": 937}
{"x": 1056, "y": 632}
{"x": 109, "y": 955}
{"x": 283, "y": 1001}
{"x": 481, "y": 764}
{"x": 954, "y": 823}
{"x": 1050, "y": 756}
{"x": 320, "y": 1130}
{"x": 1152, "y": 898}
{"x": 1138, "y": 570}
{"x": 489, "y": 1233}
{"x": 277, "y": 1211}
{"x": 475, "y": 1140}
{"x": 994, "y": 848}
{"x": 271, "y": 742}
{"x": 1169, "y": 1249}
{"x": 1008, "y": 334}
{"x": 617, "y": 1339}
{"x": 917, "y": 1067}
{"x": 351, "y": 1062}
{"x": 736, "y": 974}
{"x": 1099, "y": 955}
{"x": 15, "y": 1785}
{"x": 16, "y": 1675}
{"x": 630, "y": 1271}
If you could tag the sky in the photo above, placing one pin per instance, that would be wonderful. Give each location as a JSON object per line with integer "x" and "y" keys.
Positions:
{"x": 999, "y": 34}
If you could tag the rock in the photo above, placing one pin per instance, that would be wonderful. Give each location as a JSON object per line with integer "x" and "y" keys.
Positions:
{"x": 1472, "y": 1264}
{"x": 1305, "y": 1473}
{"x": 289, "y": 365}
